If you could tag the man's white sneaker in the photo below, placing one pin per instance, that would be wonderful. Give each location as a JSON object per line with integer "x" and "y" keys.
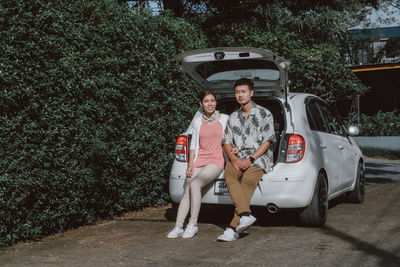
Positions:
{"x": 228, "y": 235}
{"x": 176, "y": 232}
{"x": 245, "y": 222}
{"x": 190, "y": 231}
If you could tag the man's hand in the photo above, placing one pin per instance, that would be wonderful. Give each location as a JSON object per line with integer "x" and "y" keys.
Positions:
{"x": 241, "y": 164}
{"x": 236, "y": 162}
{"x": 246, "y": 163}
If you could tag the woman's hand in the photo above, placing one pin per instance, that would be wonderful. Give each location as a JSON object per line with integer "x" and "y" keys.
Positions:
{"x": 189, "y": 171}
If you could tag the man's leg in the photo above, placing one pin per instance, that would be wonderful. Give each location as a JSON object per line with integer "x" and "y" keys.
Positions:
{"x": 249, "y": 182}
{"x": 241, "y": 192}
{"x": 235, "y": 219}
{"x": 232, "y": 177}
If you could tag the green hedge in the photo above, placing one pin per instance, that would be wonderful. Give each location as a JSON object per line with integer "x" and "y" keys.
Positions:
{"x": 380, "y": 124}
{"x": 90, "y": 107}
{"x": 380, "y": 153}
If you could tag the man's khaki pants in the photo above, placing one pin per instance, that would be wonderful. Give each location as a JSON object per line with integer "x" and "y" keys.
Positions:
{"x": 241, "y": 190}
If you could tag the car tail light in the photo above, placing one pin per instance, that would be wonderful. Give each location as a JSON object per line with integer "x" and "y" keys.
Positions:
{"x": 181, "y": 148}
{"x": 295, "y": 148}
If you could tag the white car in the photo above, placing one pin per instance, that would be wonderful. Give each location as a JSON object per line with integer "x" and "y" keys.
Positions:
{"x": 315, "y": 158}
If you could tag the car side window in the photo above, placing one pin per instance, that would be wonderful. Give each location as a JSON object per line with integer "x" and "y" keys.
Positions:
{"x": 315, "y": 117}
{"x": 333, "y": 122}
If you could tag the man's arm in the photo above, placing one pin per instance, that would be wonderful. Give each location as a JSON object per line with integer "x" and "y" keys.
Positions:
{"x": 246, "y": 163}
{"x": 261, "y": 150}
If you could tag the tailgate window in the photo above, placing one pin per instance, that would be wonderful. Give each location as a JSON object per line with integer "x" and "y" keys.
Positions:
{"x": 232, "y": 70}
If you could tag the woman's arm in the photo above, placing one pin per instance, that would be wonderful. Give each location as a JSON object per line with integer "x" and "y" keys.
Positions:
{"x": 190, "y": 168}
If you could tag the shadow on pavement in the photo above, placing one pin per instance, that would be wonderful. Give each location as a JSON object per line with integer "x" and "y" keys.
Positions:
{"x": 378, "y": 180}
{"x": 221, "y": 215}
{"x": 386, "y": 258}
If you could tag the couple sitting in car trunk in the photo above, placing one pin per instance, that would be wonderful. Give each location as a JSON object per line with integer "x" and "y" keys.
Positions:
{"x": 246, "y": 136}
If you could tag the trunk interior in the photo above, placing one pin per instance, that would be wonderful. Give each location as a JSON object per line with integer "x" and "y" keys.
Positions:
{"x": 227, "y": 106}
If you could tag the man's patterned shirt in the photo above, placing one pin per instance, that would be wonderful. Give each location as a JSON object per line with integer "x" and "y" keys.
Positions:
{"x": 249, "y": 133}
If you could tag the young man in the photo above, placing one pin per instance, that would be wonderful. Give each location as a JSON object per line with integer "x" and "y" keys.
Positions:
{"x": 251, "y": 130}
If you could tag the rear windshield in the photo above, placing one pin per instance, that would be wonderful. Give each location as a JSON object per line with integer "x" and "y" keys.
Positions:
{"x": 232, "y": 70}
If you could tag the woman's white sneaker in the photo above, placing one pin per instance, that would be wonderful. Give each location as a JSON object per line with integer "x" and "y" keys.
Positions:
{"x": 190, "y": 231}
{"x": 176, "y": 232}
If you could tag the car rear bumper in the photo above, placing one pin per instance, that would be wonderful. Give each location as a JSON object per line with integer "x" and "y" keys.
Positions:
{"x": 286, "y": 186}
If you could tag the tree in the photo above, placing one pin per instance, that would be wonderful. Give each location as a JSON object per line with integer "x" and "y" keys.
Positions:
{"x": 312, "y": 35}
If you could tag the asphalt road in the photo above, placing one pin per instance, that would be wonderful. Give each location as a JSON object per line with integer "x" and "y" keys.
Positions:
{"x": 365, "y": 234}
{"x": 382, "y": 171}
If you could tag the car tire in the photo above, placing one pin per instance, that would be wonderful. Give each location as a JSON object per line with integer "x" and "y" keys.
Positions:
{"x": 316, "y": 213}
{"x": 358, "y": 193}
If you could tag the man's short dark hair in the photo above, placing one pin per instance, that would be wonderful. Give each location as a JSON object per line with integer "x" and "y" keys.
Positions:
{"x": 244, "y": 81}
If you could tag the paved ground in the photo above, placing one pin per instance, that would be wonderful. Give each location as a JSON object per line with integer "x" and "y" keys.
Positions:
{"x": 365, "y": 234}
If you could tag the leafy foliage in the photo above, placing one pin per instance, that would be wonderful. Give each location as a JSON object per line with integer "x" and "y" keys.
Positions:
{"x": 380, "y": 124}
{"x": 90, "y": 106}
{"x": 377, "y": 152}
{"x": 309, "y": 35}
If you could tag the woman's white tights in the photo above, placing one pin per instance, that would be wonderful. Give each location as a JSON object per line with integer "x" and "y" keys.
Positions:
{"x": 191, "y": 198}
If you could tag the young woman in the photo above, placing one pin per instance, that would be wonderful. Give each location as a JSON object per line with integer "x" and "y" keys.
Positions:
{"x": 206, "y": 162}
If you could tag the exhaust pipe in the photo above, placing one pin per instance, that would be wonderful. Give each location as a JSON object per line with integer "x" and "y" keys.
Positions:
{"x": 272, "y": 208}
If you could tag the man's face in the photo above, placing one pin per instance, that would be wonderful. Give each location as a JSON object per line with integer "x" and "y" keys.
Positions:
{"x": 243, "y": 94}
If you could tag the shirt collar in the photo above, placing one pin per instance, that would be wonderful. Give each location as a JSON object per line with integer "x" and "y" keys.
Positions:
{"x": 253, "y": 109}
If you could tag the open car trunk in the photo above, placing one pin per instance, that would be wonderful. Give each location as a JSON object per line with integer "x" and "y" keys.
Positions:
{"x": 217, "y": 69}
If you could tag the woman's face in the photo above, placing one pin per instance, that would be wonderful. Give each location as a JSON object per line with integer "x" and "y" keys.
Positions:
{"x": 208, "y": 104}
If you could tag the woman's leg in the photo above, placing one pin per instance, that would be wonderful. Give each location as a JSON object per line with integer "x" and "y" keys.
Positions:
{"x": 184, "y": 205}
{"x": 205, "y": 175}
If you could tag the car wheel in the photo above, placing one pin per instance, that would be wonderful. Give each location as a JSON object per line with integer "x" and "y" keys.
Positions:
{"x": 317, "y": 212}
{"x": 358, "y": 193}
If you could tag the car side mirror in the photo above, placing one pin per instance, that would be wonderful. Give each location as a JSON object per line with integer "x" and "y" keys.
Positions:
{"x": 353, "y": 130}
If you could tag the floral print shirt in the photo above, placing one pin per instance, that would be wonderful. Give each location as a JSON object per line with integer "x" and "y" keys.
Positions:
{"x": 249, "y": 133}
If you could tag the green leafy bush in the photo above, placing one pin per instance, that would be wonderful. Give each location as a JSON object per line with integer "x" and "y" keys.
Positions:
{"x": 90, "y": 106}
{"x": 382, "y": 153}
{"x": 380, "y": 124}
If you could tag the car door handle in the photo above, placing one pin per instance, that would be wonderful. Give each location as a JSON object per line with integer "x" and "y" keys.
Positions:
{"x": 323, "y": 146}
{"x": 341, "y": 147}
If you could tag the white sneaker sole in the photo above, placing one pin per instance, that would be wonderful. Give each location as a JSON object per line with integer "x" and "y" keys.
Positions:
{"x": 190, "y": 236}
{"x": 172, "y": 237}
{"x": 226, "y": 240}
{"x": 186, "y": 237}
